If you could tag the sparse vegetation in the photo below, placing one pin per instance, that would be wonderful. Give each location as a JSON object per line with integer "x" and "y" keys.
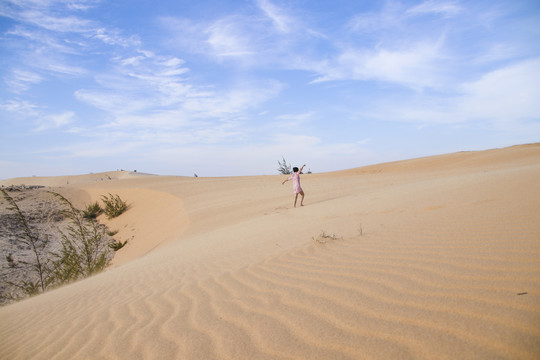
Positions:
{"x": 284, "y": 168}
{"x": 92, "y": 211}
{"x": 114, "y": 206}
{"x": 86, "y": 247}
{"x": 324, "y": 237}
{"x": 117, "y": 245}
{"x": 41, "y": 265}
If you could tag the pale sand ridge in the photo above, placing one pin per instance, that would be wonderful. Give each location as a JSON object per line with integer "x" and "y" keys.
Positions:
{"x": 436, "y": 257}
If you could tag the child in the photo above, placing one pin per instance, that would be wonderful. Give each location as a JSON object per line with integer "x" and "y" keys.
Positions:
{"x": 295, "y": 177}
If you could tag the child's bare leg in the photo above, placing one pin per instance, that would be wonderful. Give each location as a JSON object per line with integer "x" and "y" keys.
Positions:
{"x": 295, "y": 198}
{"x": 302, "y": 200}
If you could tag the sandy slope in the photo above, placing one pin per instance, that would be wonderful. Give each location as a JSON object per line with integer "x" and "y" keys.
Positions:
{"x": 434, "y": 258}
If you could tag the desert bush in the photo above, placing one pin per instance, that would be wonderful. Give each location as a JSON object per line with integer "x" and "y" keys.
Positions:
{"x": 84, "y": 251}
{"x": 284, "y": 168}
{"x": 84, "y": 247}
{"x": 117, "y": 245}
{"x": 92, "y": 211}
{"x": 114, "y": 206}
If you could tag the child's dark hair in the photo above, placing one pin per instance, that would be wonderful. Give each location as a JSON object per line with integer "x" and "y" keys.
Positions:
{"x": 295, "y": 169}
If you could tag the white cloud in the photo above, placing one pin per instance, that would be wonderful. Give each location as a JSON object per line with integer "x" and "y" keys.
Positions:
{"x": 113, "y": 37}
{"x": 81, "y": 5}
{"x": 235, "y": 38}
{"x": 227, "y": 38}
{"x": 240, "y": 98}
{"x": 62, "y": 67}
{"x": 390, "y": 17}
{"x": 21, "y": 80}
{"x": 112, "y": 102}
{"x": 41, "y": 39}
{"x": 507, "y": 94}
{"x": 292, "y": 120}
{"x": 42, "y": 117}
{"x": 46, "y": 14}
{"x": 395, "y": 17}
{"x": 55, "y": 23}
{"x": 414, "y": 67}
{"x": 54, "y": 121}
{"x": 444, "y": 8}
{"x": 20, "y": 107}
{"x": 281, "y": 20}
{"x": 499, "y": 98}
{"x": 251, "y": 40}
{"x": 144, "y": 82}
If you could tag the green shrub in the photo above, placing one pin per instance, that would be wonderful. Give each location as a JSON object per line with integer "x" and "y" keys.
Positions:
{"x": 114, "y": 206}
{"x": 92, "y": 211}
{"x": 117, "y": 245}
{"x": 84, "y": 247}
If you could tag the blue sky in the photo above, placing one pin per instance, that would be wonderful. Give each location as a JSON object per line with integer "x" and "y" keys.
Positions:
{"x": 223, "y": 88}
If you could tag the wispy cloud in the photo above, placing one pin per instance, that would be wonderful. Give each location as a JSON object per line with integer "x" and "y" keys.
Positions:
{"x": 46, "y": 15}
{"x": 498, "y": 98}
{"x": 413, "y": 67}
{"x": 226, "y": 38}
{"x": 41, "y": 118}
{"x": 282, "y": 21}
{"x": 506, "y": 94}
{"x": 292, "y": 121}
{"x": 389, "y": 17}
{"x": 113, "y": 37}
{"x": 444, "y": 8}
{"x": 20, "y": 107}
{"x": 268, "y": 38}
{"x": 21, "y": 80}
{"x": 395, "y": 16}
{"x": 54, "y": 121}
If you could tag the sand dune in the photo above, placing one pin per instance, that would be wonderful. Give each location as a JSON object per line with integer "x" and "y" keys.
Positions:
{"x": 432, "y": 258}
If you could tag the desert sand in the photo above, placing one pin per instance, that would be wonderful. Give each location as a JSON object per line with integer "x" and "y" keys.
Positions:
{"x": 430, "y": 258}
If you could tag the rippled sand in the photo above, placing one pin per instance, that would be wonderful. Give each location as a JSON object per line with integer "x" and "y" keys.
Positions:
{"x": 432, "y": 258}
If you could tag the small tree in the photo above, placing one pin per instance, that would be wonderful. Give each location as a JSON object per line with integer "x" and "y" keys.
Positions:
{"x": 284, "y": 168}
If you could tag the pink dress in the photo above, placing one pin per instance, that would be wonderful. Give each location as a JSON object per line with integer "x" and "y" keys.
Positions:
{"x": 295, "y": 177}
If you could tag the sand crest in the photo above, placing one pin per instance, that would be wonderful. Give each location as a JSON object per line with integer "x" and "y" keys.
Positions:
{"x": 432, "y": 258}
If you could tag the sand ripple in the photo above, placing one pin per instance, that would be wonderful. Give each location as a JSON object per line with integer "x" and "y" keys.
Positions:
{"x": 443, "y": 269}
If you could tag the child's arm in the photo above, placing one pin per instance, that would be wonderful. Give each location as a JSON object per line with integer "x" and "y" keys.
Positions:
{"x": 284, "y": 181}
{"x": 301, "y": 168}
